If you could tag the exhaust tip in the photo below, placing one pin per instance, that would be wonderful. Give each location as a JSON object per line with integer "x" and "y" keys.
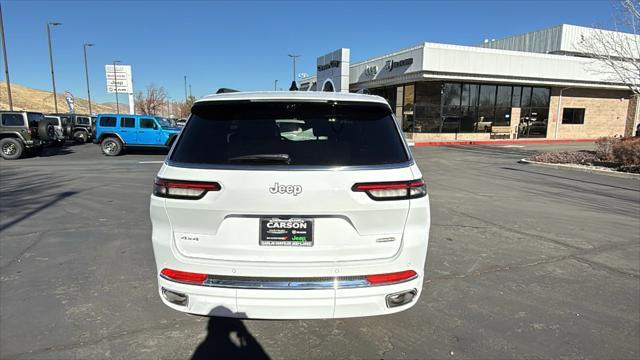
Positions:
{"x": 401, "y": 298}
{"x": 175, "y": 297}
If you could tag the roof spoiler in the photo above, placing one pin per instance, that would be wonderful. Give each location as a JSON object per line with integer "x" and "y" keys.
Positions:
{"x": 226, "y": 90}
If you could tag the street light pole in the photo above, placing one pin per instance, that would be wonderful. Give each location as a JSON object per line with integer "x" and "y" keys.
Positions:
{"x": 275, "y": 85}
{"x": 53, "y": 78}
{"x": 115, "y": 83}
{"x": 185, "y": 89}
{"x": 6, "y": 64}
{"x": 294, "y": 86}
{"x": 86, "y": 74}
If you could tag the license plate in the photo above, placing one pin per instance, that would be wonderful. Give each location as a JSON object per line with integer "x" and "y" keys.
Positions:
{"x": 286, "y": 232}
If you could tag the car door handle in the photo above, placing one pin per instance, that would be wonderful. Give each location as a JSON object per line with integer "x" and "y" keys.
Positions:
{"x": 123, "y": 130}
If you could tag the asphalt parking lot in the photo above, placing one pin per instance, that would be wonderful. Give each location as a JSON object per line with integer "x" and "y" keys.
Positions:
{"x": 523, "y": 262}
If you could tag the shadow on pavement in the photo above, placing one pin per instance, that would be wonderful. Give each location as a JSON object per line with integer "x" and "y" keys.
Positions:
{"x": 37, "y": 209}
{"x": 228, "y": 338}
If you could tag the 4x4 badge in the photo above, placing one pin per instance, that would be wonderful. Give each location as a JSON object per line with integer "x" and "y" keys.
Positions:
{"x": 285, "y": 189}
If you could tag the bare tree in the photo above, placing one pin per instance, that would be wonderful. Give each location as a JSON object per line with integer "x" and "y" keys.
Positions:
{"x": 617, "y": 53}
{"x": 152, "y": 101}
{"x": 184, "y": 107}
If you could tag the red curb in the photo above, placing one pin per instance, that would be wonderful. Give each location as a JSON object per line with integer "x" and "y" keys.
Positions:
{"x": 499, "y": 142}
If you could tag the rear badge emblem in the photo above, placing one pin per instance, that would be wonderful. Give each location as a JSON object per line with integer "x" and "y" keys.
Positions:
{"x": 189, "y": 238}
{"x": 285, "y": 189}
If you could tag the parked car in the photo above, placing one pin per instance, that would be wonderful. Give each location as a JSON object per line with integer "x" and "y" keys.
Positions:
{"x": 181, "y": 122}
{"x": 78, "y": 126}
{"x": 534, "y": 127}
{"x": 61, "y": 127}
{"x": 23, "y": 131}
{"x": 248, "y": 223}
{"x": 115, "y": 133}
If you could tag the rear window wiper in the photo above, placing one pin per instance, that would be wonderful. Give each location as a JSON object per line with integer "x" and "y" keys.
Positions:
{"x": 262, "y": 158}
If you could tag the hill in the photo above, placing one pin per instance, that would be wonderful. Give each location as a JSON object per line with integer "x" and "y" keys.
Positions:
{"x": 26, "y": 98}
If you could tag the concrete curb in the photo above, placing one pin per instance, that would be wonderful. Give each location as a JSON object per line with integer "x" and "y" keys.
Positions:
{"x": 498, "y": 142}
{"x": 581, "y": 168}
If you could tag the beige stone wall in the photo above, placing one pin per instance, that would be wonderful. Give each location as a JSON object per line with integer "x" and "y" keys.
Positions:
{"x": 449, "y": 136}
{"x": 605, "y": 113}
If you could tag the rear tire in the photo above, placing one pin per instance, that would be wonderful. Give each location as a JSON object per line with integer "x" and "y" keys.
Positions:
{"x": 58, "y": 143}
{"x": 11, "y": 149}
{"x": 111, "y": 146}
{"x": 81, "y": 137}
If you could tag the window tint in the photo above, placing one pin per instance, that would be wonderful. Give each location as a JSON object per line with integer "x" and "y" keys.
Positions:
{"x": 53, "y": 120}
{"x": 573, "y": 116}
{"x": 128, "y": 122}
{"x": 83, "y": 120}
{"x": 308, "y": 133}
{"x": 34, "y": 118}
{"x": 12, "y": 120}
{"x": 146, "y": 123}
{"x": 108, "y": 121}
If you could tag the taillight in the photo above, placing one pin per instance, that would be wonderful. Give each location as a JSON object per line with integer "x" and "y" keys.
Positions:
{"x": 177, "y": 189}
{"x": 183, "y": 276}
{"x": 389, "y": 278}
{"x": 395, "y": 190}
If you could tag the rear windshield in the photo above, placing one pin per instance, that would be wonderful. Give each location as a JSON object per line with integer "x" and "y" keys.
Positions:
{"x": 53, "y": 120}
{"x": 290, "y": 133}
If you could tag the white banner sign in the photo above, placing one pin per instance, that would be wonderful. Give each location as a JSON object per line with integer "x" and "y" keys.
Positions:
{"x": 120, "y": 78}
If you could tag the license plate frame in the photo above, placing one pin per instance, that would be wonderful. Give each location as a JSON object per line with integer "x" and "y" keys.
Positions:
{"x": 286, "y": 231}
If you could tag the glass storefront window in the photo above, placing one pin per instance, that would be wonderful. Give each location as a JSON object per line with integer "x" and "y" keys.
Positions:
{"x": 407, "y": 108}
{"x": 526, "y": 97}
{"x": 451, "y": 94}
{"x": 540, "y": 97}
{"x": 465, "y": 107}
{"x": 503, "y": 97}
{"x": 487, "y": 95}
{"x": 515, "y": 98}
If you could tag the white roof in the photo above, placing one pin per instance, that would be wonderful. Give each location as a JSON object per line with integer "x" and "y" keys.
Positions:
{"x": 563, "y": 38}
{"x": 294, "y": 96}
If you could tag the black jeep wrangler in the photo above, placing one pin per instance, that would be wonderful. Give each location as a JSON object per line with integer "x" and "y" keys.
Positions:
{"x": 77, "y": 127}
{"x": 22, "y": 131}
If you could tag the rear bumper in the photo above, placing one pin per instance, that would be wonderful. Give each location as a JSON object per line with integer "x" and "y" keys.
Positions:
{"x": 288, "y": 304}
{"x": 283, "y": 303}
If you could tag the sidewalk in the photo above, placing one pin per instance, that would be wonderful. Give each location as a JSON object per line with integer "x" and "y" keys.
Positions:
{"x": 495, "y": 142}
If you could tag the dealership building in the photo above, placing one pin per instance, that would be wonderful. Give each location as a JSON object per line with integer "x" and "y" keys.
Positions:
{"x": 535, "y": 85}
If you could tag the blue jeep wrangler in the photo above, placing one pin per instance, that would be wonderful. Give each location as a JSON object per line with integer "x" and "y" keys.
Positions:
{"x": 115, "y": 133}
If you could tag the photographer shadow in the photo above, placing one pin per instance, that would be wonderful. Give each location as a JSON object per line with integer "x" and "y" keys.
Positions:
{"x": 228, "y": 338}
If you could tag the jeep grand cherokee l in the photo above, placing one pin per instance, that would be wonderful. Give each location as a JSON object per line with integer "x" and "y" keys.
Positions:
{"x": 250, "y": 221}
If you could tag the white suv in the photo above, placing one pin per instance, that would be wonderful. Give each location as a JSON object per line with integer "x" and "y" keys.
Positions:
{"x": 248, "y": 222}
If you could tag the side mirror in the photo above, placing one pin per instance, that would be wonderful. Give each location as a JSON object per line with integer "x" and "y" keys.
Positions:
{"x": 155, "y": 126}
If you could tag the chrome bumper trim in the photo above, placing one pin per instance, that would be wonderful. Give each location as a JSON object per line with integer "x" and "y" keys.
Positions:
{"x": 311, "y": 283}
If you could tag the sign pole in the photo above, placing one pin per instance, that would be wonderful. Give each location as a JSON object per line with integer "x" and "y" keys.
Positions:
{"x": 131, "y": 104}
{"x": 115, "y": 85}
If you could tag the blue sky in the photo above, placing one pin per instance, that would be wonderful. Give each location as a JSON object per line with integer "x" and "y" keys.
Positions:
{"x": 244, "y": 45}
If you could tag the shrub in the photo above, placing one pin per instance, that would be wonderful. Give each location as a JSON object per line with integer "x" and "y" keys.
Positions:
{"x": 566, "y": 157}
{"x": 627, "y": 151}
{"x": 604, "y": 147}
